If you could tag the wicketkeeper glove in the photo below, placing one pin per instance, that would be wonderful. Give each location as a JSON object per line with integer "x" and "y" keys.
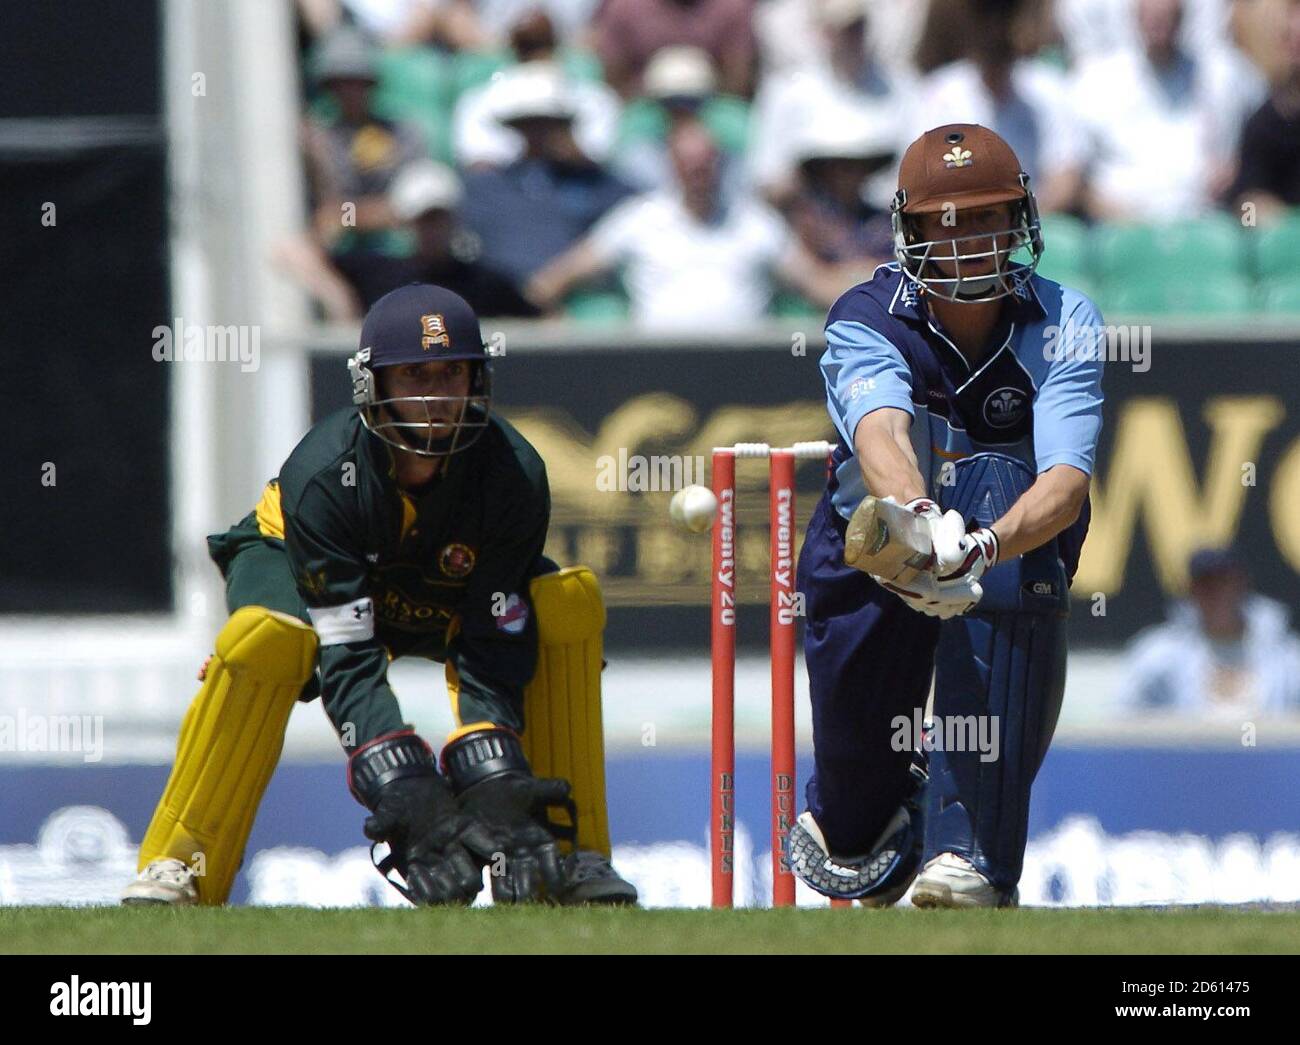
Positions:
{"x": 494, "y": 784}
{"x": 437, "y": 848}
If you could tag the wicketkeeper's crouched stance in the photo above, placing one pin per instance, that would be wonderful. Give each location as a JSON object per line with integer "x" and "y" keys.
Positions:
{"x": 412, "y": 526}
{"x": 968, "y": 389}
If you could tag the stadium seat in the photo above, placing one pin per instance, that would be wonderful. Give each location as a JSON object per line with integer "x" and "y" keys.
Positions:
{"x": 1277, "y": 249}
{"x": 475, "y": 68}
{"x": 1281, "y": 296}
{"x": 1227, "y": 295}
{"x": 1066, "y": 252}
{"x": 582, "y": 65}
{"x": 1202, "y": 250}
{"x": 726, "y": 117}
{"x": 596, "y": 306}
{"x": 787, "y": 304}
{"x": 416, "y": 85}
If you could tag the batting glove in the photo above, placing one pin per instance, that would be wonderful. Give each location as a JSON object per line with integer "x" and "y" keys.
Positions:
{"x": 960, "y": 554}
{"x": 943, "y": 599}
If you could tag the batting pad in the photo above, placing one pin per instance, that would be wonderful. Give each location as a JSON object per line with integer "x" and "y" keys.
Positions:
{"x": 563, "y": 730}
{"x": 229, "y": 745}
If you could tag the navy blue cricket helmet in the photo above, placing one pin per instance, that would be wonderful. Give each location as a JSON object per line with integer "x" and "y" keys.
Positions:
{"x": 420, "y": 323}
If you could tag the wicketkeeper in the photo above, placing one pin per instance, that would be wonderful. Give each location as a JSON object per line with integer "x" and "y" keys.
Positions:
{"x": 409, "y": 525}
{"x": 967, "y": 388}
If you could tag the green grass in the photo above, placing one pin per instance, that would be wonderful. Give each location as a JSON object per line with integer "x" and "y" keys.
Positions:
{"x": 274, "y": 930}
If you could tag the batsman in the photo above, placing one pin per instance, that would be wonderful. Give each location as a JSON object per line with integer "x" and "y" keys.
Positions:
{"x": 411, "y": 524}
{"x": 966, "y": 389}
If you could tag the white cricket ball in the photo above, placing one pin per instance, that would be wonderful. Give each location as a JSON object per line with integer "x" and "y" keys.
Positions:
{"x": 693, "y": 508}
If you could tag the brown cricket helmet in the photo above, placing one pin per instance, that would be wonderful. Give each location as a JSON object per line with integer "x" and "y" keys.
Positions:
{"x": 956, "y": 167}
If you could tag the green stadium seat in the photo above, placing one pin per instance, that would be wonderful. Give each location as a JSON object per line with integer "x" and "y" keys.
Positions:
{"x": 475, "y": 68}
{"x": 582, "y": 65}
{"x": 1206, "y": 249}
{"x": 416, "y": 86}
{"x": 1281, "y": 296}
{"x": 641, "y": 121}
{"x": 726, "y": 117}
{"x": 596, "y": 306}
{"x": 787, "y": 304}
{"x": 1277, "y": 249}
{"x": 1066, "y": 254}
{"x": 1226, "y": 295}
{"x": 410, "y": 77}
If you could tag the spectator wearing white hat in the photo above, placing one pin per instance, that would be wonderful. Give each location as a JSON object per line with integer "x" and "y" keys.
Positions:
{"x": 480, "y": 139}
{"x": 787, "y": 102}
{"x": 424, "y": 199}
{"x": 691, "y": 262}
{"x": 838, "y": 152}
{"x": 680, "y": 88}
{"x": 531, "y": 210}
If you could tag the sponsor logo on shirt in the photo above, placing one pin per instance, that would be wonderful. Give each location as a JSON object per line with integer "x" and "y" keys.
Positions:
{"x": 861, "y": 387}
{"x": 1004, "y": 407}
{"x": 456, "y": 560}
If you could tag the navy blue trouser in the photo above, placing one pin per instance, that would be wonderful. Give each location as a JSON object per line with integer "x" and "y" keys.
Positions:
{"x": 870, "y": 658}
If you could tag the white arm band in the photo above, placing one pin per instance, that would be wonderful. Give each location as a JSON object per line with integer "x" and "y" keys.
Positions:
{"x": 351, "y": 622}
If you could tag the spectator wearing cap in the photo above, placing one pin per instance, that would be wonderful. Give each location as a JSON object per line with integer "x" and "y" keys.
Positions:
{"x": 838, "y": 152}
{"x": 999, "y": 84}
{"x": 424, "y": 199}
{"x": 680, "y": 88}
{"x": 479, "y": 139}
{"x": 690, "y": 260}
{"x": 628, "y": 33}
{"x": 1162, "y": 124}
{"x": 1224, "y": 653}
{"x": 1269, "y": 173}
{"x": 788, "y": 102}
{"x": 533, "y": 209}
{"x": 353, "y": 155}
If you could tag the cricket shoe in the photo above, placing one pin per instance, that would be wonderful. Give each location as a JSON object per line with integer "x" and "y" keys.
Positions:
{"x": 951, "y": 881}
{"x": 164, "y": 881}
{"x": 591, "y": 879}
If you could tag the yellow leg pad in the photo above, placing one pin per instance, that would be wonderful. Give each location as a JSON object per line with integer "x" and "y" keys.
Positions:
{"x": 563, "y": 730}
{"x": 229, "y": 745}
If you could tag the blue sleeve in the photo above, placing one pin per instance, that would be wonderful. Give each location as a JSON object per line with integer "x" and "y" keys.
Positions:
{"x": 1067, "y": 409}
{"x": 864, "y": 371}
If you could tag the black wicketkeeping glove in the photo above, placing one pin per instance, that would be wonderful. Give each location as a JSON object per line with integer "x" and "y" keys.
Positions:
{"x": 496, "y": 787}
{"x": 438, "y": 848}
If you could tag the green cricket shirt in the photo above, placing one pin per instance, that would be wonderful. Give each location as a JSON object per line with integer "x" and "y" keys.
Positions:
{"x": 440, "y": 573}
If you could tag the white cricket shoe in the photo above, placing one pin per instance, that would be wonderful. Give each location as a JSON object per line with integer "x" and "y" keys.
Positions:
{"x": 163, "y": 882}
{"x": 950, "y": 880}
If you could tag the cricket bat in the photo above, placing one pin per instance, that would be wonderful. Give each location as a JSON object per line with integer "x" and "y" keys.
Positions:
{"x": 887, "y": 540}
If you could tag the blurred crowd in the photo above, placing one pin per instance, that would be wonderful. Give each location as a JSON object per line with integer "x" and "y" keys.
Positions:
{"x": 697, "y": 164}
